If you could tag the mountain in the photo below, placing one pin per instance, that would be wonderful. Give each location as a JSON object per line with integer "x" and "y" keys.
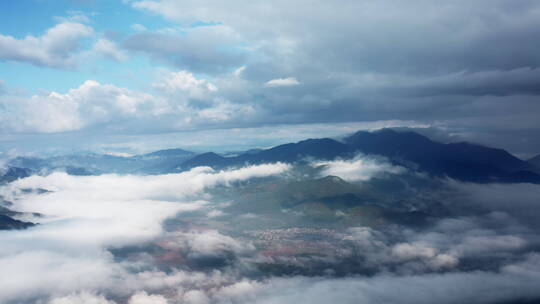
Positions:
{"x": 535, "y": 161}
{"x": 166, "y": 153}
{"x": 327, "y": 202}
{"x": 79, "y": 164}
{"x": 330, "y": 190}
{"x": 93, "y": 163}
{"x": 13, "y": 173}
{"x": 161, "y": 161}
{"x": 209, "y": 159}
{"x": 462, "y": 161}
{"x": 7, "y": 221}
{"x": 324, "y": 148}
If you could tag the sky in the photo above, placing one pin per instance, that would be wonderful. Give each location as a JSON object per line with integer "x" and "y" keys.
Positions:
{"x": 140, "y": 75}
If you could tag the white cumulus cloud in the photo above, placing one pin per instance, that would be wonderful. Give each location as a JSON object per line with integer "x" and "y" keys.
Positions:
{"x": 186, "y": 83}
{"x": 91, "y": 103}
{"x": 56, "y": 48}
{"x": 109, "y": 49}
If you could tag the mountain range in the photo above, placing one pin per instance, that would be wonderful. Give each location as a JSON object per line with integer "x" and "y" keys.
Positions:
{"x": 535, "y": 161}
{"x": 461, "y": 161}
{"x": 93, "y": 163}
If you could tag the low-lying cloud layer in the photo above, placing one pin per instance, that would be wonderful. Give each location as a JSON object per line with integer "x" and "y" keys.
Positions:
{"x": 184, "y": 238}
{"x": 83, "y": 216}
{"x": 359, "y": 168}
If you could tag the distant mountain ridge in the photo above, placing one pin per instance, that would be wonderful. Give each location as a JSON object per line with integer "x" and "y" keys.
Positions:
{"x": 535, "y": 161}
{"x": 461, "y": 161}
{"x": 324, "y": 148}
{"x": 7, "y": 220}
{"x": 166, "y": 153}
{"x": 13, "y": 173}
{"x": 9, "y": 223}
{"x": 94, "y": 163}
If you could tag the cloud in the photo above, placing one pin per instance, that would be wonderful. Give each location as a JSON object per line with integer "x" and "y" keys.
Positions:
{"x": 144, "y": 298}
{"x": 360, "y": 168}
{"x": 91, "y": 103}
{"x": 109, "y": 49}
{"x": 282, "y": 82}
{"x": 86, "y": 297}
{"x": 181, "y": 101}
{"x": 207, "y": 243}
{"x": 50, "y": 113}
{"x": 148, "y": 187}
{"x": 376, "y": 79}
{"x": 315, "y": 38}
{"x": 116, "y": 235}
{"x": 430, "y": 255}
{"x": 516, "y": 200}
{"x": 168, "y": 238}
{"x": 185, "y": 83}
{"x": 402, "y": 66}
{"x": 382, "y": 77}
{"x": 56, "y": 48}
{"x": 138, "y": 27}
{"x": 74, "y": 16}
{"x": 219, "y": 140}
{"x": 411, "y": 251}
{"x": 206, "y": 49}
{"x": 83, "y": 217}
{"x": 81, "y": 298}
{"x": 478, "y": 287}
{"x": 238, "y": 72}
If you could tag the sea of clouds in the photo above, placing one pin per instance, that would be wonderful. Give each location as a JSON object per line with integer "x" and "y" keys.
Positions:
{"x": 486, "y": 251}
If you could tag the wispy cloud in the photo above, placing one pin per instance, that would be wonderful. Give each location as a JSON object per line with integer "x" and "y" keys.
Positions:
{"x": 282, "y": 82}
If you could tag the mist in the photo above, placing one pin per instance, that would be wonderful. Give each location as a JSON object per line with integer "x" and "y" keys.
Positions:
{"x": 195, "y": 237}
